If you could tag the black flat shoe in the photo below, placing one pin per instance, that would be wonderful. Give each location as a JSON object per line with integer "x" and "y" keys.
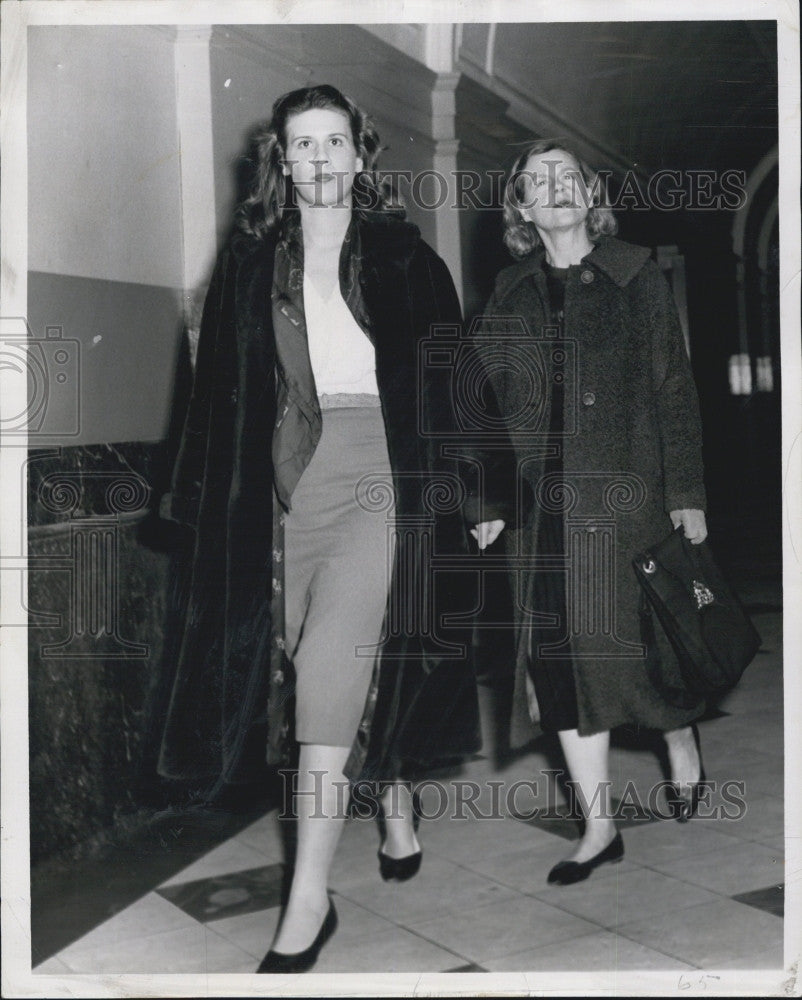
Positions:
{"x": 683, "y": 805}
{"x": 568, "y": 872}
{"x": 399, "y": 869}
{"x": 279, "y": 963}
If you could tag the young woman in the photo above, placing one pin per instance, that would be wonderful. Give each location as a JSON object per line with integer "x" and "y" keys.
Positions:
{"x": 612, "y": 452}
{"x": 310, "y": 432}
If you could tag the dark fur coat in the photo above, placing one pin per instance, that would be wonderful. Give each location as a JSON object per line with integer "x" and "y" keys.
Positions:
{"x": 422, "y": 708}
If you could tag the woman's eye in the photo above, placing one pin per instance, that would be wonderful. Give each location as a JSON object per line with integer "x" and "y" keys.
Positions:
{"x": 336, "y": 141}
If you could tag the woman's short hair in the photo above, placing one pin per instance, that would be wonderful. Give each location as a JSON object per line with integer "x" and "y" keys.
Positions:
{"x": 520, "y": 236}
{"x": 271, "y": 192}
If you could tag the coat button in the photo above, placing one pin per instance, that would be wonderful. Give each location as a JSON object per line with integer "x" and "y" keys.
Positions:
{"x": 234, "y": 396}
{"x": 586, "y": 277}
{"x": 588, "y": 398}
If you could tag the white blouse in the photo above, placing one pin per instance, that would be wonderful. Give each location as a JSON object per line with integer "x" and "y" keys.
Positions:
{"x": 342, "y": 357}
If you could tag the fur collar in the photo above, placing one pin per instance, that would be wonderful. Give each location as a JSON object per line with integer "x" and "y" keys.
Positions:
{"x": 383, "y": 237}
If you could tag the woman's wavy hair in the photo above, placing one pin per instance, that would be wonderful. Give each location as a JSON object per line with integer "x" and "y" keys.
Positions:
{"x": 520, "y": 236}
{"x": 260, "y": 213}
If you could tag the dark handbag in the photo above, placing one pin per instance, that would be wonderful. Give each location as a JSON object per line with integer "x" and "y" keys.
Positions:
{"x": 703, "y": 620}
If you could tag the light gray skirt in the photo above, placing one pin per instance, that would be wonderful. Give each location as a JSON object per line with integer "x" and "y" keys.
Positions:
{"x": 337, "y": 573}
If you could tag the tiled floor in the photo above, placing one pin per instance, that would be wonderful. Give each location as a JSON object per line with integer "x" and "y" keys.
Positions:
{"x": 707, "y": 895}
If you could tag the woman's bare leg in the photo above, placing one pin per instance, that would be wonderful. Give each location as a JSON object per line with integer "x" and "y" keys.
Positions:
{"x": 399, "y": 837}
{"x": 321, "y": 814}
{"x": 587, "y": 759}
{"x": 686, "y": 767}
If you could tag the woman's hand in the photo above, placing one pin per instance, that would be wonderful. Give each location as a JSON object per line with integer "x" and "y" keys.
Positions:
{"x": 693, "y": 521}
{"x": 487, "y": 532}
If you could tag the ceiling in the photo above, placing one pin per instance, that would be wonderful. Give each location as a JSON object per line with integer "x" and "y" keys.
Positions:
{"x": 648, "y": 94}
{"x": 652, "y": 95}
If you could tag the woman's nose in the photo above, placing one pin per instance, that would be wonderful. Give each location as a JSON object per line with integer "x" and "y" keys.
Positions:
{"x": 562, "y": 187}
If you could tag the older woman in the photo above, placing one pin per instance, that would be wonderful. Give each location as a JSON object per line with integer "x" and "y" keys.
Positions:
{"x": 605, "y": 425}
{"x": 301, "y": 449}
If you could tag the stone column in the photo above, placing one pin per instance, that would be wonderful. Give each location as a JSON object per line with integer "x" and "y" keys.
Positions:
{"x": 194, "y": 121}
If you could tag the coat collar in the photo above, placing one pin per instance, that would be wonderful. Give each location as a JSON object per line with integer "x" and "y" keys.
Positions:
{"x": 384, "y": 238}
{"x": 620, "y": 261}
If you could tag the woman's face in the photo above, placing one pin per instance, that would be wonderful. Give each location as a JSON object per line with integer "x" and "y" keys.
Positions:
{"x": 321, "y": 157}
{"x": 555, "y": 196}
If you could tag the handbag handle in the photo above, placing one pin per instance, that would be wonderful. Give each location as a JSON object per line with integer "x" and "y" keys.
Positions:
{"x": 694, "y": 552}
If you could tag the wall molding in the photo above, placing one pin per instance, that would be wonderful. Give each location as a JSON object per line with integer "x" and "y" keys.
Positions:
{"x": 542, "y": 119}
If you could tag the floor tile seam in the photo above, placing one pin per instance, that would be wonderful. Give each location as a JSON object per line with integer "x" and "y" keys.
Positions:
{"x": 438, "y": 944}
{"x": 621, "y": 932}
{"x": 697, "y": 885}
{"x": 260, "y": 850}
{"x": 170, "y": 884}
{"x": 139, "y": 937}
{"x": 614, "y": 926}
{"x": 697, "y": 854}
{"x": 228, "y": 940}
{"x": 70, "y": 969}
{"x": 469, "y": 865}
{"x": 679, "y": 958}
{"x": 485, "y": 958}
{"x": 436, "y": 914}
{"x": 369, "y": 935}
{"x": 539, "y": 895}
{"x": 741, "y": 838}
{"x": 465, "y": 866}
{"x": 547, "y": 944}
{"x": 427, "y": 850}
{"x": 157, "y": 934}
{"x": 54, "y": 972}
{"x": 381, "y": 916}
{"x": 621, "y": 928}
{"x": 615, "y": 933}
{"x": 533, "y": 893}
{"x": 469, "y": 862}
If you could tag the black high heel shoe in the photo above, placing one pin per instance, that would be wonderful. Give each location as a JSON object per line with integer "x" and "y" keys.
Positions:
{"x": 281, "y": 963}
{"x": 683, "y": 805}
{"x": 568, "y": 872}
{"x": 400, "y": 869}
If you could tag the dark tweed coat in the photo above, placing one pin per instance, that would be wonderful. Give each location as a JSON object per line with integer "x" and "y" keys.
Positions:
{"x": 631, "y": 449}
{"x": 422, "y": 708}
